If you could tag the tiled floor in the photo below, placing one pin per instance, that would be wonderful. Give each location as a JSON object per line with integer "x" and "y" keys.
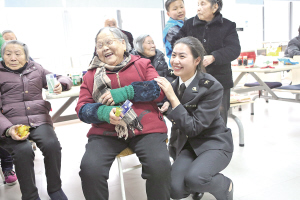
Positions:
{"x": 267, "y": 168}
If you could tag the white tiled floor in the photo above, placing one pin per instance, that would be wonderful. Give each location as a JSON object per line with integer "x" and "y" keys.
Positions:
{"x": 267, "y": 168}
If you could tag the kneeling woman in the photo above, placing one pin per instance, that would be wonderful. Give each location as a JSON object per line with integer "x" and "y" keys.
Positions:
{"x": 200, "y": 143}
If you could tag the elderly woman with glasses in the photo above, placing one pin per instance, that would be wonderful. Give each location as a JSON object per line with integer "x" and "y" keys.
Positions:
{"x": 113, "y": 77}
{"x": 21, "y": 103}
{"x": 144, "y": 46}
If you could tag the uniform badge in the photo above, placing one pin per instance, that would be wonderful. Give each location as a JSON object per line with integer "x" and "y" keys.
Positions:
{"x": 206, "y": 83}
{"x": 194, "y": 89}
{"x": 171, "y": 73}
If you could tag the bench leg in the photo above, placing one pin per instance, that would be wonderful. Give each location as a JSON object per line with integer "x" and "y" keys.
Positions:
{"x": 240, "y": 126}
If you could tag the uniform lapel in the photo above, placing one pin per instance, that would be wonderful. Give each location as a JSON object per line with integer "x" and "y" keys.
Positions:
{"x": 192, "y": 90}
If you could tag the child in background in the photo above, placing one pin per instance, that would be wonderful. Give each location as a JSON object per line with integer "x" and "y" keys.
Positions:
{"x": 176, "y": 12}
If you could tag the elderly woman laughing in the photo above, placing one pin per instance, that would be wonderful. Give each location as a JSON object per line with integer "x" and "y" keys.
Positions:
{"x": 115, "y": 76}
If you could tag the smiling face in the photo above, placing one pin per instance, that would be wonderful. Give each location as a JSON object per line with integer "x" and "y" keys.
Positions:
{"x": 149, "y": 47}
{"x": 206, "y": 11}
{"x": 14, "y": 56}
{"x": 176, "y": 10}
{"x": 112, "y": 50}
{"x": 183, "y": 62}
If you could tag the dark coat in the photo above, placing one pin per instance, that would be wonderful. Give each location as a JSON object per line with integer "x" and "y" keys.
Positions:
{"x": 159, "y": 63}
{"x": 21, "y": 100}
{"x": 293, "y": 48}
{"x": 138, "y": 69}
{"x": 220, "y": 39}
{"x": 197, "y": 119}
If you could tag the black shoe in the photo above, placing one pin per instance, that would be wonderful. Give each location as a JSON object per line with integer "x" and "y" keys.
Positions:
{"x": 197, "y": 196}
{"x": 230, "y": 194}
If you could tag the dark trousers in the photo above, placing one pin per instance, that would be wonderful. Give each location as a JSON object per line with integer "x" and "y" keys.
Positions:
{"x": 6, "y": 160}
{"x": 151, "y": 149}
{"x": 191, "y": 174}
{"x": 23, "y": 157}
{"x": 225, "y": 105}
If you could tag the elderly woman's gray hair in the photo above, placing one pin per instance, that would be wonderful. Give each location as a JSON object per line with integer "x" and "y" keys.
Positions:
{"x": 138, "y": 42}
{"x": 117, "y": 34}
{"x": 15, "y": 42}
{"x": 220, "y": 4}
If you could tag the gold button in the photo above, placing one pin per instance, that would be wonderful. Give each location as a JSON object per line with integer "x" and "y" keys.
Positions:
{"x": 187, "y": 136}
{"x": 26, "y": 91}
{"x": 31, "y": 124}
{"x": 28, "y": 108}
{"x": 174, "y": 123}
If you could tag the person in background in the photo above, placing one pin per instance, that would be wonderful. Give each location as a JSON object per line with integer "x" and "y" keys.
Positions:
{"x": 21, "y": 103}
{"x": 221, "y": 43}
{"x": 144, "y": 46}
{"x": 176, "y": 12}
{"x": 200, "y": 143}
{"x": 9, "y": 35}
{"x": 113, "y": 77}
{"x": 293, "y": 47}
{"x": 111, "y": 22}
{"x": 6, "y": 159}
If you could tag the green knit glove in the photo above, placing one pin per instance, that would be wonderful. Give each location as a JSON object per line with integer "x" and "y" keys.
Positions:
{"x": 103, "y": 112}
{"x": 122, "y": 94}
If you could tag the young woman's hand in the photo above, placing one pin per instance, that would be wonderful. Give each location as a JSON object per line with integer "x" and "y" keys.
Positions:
{"x": 107, "y": 99}
{"x": 164, "y": 107}
{"x": 12, "y": 132}
{"x": 166, "y": 86}
{"x": 57, "y": 88}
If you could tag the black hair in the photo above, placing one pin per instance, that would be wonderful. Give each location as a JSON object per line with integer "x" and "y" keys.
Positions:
{"x": 168, "y": 3}
{"x": 196, "y": 48}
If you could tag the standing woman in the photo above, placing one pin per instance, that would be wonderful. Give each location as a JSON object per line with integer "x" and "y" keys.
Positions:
{"x": 200, "y": 143}
{"x": 220, "y": 41}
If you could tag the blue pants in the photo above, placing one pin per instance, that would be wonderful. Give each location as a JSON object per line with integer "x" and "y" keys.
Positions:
{"x": 151, "y": 149}
{"x": 6, "y": 160}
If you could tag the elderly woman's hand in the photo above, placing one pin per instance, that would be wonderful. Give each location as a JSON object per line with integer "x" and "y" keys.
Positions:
{"x": 113, "y": 118}
{"x": 207, "y": 60}
{"x": 57, "y": 88}
{"x": 107, "y": 99}
{"x": 12, "y": 132}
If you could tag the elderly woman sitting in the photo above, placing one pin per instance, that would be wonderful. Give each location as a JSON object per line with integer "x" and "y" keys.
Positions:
{"x": 21, "y": 103}
{"x": 144, "y": 46}
{"x": 115, "y": 76}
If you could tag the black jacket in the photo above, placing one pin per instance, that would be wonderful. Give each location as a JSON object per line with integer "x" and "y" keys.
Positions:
{"x": 159, "y": 63}
{"x": 197, "y": 119}
{"x": 293, "y": 47}
{"x": 220, "y": 39}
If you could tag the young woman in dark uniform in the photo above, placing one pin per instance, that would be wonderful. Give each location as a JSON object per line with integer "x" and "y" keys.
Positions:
{"x": 200, "y": 143}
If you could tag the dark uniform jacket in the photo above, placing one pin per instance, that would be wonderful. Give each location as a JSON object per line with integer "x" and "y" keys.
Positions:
{"x": 197, "y": 119}
{"x": 220, "y": 39}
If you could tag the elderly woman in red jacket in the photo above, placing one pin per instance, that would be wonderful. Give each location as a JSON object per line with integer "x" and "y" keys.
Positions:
{"x": 115, "y": 76}
{"x": 21, "y": 103}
